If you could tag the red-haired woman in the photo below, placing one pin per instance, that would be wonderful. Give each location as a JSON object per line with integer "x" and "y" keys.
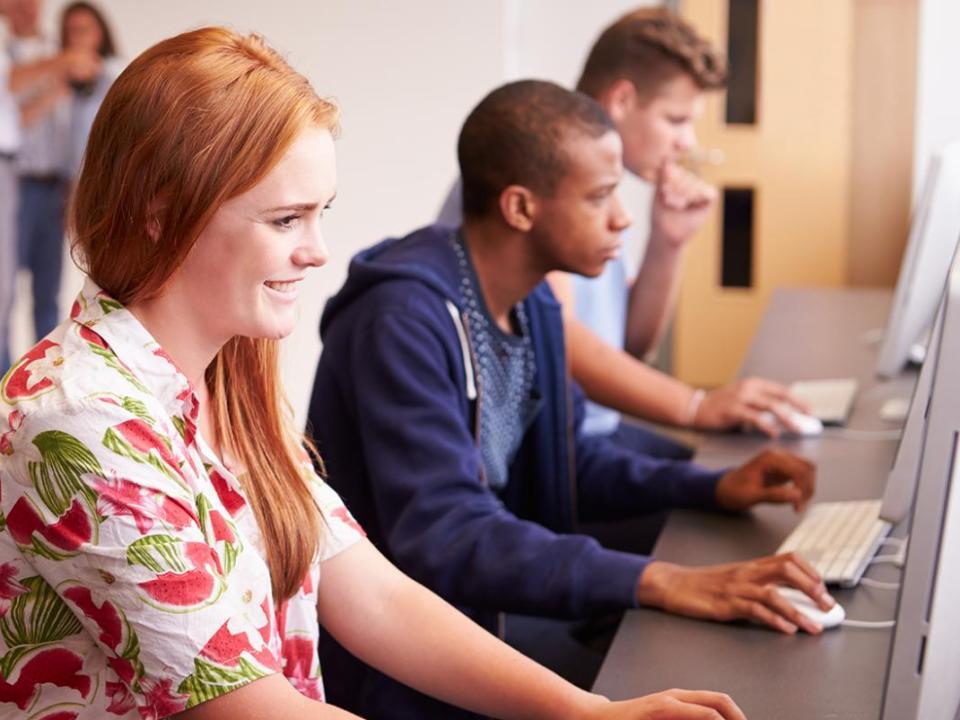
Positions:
{"x": 163, "y": 530}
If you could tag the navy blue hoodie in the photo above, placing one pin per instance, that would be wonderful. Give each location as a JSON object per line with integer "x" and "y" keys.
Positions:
{"x": 394, "y": 412}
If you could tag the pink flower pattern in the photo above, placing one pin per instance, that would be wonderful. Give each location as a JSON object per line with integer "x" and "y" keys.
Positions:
{"x": 9, "y": 586}
{"x": 131, "y": 574}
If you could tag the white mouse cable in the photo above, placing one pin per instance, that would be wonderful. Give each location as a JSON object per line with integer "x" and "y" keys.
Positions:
{"x": 897, "y": 559}
{"x": 879, "y": 584}
{"x": 857, "y": 434}
{"x": 869, "y": 624}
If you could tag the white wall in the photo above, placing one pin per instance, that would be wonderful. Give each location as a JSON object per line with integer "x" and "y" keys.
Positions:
{"x": 938, "y": 102}
{"x": 405, "y": 75}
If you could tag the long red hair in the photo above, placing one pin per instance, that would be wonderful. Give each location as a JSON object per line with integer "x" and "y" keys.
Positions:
{"x": 192, "y": 122}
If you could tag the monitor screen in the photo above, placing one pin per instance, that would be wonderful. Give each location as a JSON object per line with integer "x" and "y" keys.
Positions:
{"x": 934, "y": 231}
{"x": 923, "y": 677}
{"x": 898, "y": 495}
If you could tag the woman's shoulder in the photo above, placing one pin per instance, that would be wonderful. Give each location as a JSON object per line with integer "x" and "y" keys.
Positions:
{"x": 84, "y": 411}
{"x": 70, "y": 375}
{"x": 342, "y": 529}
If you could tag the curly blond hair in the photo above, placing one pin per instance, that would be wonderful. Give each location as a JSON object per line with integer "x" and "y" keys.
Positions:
{"x": 649, "y": 47}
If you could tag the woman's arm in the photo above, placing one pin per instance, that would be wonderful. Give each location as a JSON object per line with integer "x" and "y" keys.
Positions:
{"x": 385, "y": 618}
{"x": 269, "y": 697}
{"x": 380, "y": 615}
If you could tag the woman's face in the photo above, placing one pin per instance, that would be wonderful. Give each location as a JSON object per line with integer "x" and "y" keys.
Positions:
{"x": 244, "y": 273}
{"x": 83, "y": 32}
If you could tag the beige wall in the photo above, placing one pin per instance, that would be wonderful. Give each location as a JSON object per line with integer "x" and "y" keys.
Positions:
{"x": 884, "y": 91}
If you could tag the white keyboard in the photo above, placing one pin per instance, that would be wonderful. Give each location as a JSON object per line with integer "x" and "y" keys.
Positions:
{"x": 839, "y": 539}
{"x": 829, "y": 400}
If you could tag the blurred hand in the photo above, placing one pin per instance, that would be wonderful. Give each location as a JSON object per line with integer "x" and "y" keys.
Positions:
{"x": 736, "y": 591}
{"x": 773, "y": 476}
{"x": 81, "y": 65}
{"x": 743, "y": 403}
{"x": 680, "y": 205}
{"x": 672, "y": 705}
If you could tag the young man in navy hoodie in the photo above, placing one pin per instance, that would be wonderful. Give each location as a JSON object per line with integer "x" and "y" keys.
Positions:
{"x": 447, "y": 420}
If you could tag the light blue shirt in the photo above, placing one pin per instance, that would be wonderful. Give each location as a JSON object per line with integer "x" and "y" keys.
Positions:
{"x": 601, "y": 304}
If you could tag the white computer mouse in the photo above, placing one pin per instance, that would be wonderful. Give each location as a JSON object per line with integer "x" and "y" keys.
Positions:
{"x": 806, "y": 425}
{"x": 805, "y": 604}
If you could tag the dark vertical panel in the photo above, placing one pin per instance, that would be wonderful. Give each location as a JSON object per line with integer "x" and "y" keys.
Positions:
{"x": 736, "y": 269}
{"x": 742, "y": 38}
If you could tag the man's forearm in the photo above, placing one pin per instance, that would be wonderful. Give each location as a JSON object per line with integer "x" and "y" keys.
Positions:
{"x": 652, "y": 297}
{"x": 611, "y": 377}
{"x": 40, "y": 106}
{"x": 25, "y": 75}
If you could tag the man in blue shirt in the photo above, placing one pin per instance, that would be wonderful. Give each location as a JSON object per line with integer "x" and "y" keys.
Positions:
{"x": 447, "y": 421}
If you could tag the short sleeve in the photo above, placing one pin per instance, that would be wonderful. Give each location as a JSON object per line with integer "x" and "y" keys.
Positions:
{"x": 341, "y": 530}
{"x": 125, "y": 531}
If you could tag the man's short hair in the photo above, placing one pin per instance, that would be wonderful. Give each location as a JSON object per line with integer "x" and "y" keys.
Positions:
{"x": 516, "y": 136}
{"x": 649, "y": 47}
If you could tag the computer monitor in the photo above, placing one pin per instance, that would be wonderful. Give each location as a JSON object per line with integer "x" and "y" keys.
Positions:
{"x": 934, "y": 231}
{"x": 898, "y": 495}
{"x": 923, "y": 675}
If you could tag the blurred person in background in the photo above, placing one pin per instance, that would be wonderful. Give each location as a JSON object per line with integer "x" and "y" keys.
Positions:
{"x": 56, "y": 109}
{"x": 29, "y": 75}
{"x": 83, "y": 28}
{"x": 9, "y": 142}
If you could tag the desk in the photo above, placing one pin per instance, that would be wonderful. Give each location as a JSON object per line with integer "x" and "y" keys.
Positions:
{"x": 805, "y": 334}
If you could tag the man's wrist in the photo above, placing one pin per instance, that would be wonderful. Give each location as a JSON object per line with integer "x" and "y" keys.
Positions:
{"x": 653, "y": 582}
{"x": 663, "y": 244}
{"x": 726, "y": 501}
{"x": 693, "y": 407}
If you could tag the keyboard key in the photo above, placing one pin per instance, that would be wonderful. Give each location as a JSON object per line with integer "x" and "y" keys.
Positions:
{"x": 838, "y": 538}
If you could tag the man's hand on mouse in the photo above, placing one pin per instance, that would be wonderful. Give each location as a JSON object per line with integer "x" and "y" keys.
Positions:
{"x": 748, "y": 403}
{"x": 736, "y": 591}
{"x": 773, "y": 476}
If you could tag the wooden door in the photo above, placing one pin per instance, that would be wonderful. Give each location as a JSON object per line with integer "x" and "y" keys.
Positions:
{"x": 795, "y": 158}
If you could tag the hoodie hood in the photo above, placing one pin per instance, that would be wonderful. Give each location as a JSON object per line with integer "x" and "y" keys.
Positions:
{"x": 424, "y": 255}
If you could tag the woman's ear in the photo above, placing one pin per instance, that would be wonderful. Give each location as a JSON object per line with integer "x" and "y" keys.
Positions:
{"x": 154, "y": 210}
{"x": 518, "y": 207}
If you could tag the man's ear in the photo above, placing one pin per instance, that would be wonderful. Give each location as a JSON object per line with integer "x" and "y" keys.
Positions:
{"x": 518, "y": 207}
{"x": 619, "y": 99}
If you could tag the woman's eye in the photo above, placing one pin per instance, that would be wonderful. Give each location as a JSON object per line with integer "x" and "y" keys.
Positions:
{"x": 286, "y": 222}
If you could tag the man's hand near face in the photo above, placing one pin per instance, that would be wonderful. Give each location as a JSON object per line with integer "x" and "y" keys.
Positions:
{"x": 680, "y": 206}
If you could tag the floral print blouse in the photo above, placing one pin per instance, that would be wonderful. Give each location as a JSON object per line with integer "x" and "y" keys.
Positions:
{"x": 132, "y": 576}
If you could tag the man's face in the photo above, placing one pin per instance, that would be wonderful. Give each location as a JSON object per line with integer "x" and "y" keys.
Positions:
{"x": 659, "y": 129}
{"x": 578, "y": 228}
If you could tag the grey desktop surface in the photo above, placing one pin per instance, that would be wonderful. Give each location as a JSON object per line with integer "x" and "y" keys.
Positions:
{"x": 804, "y": 334}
